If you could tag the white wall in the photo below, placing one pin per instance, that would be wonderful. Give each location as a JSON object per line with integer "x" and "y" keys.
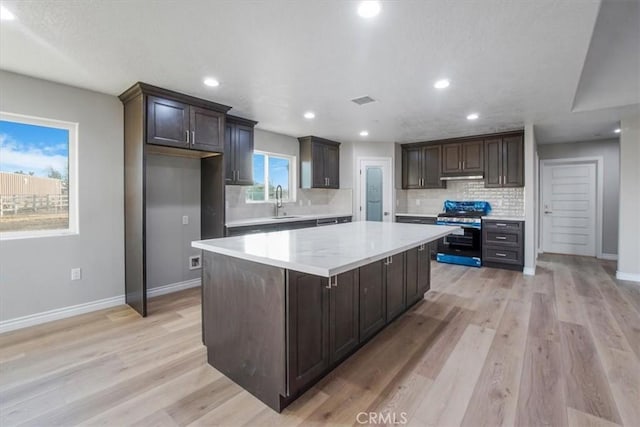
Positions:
{"x": 530, "y": 193}
{"x": 629, "y": 235}
{"x": 35, "y": 273}
{"x": 609, "y": 150}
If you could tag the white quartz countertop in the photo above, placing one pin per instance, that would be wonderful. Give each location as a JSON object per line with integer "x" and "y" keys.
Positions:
{"x": 421, "y": 215}
{"x": 327, "y": 251}
{"x": 272, "y": 220}
{"x": 504, "y": 217}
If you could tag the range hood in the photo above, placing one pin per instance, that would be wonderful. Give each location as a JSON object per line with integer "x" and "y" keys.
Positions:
{"x": 461, "y": 178}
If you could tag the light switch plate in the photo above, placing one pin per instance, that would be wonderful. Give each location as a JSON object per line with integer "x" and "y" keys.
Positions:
{"x": 185, "y": 220}
{"x": 76, "y": 273}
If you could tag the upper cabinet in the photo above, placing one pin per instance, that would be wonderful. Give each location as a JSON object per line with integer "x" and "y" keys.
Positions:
{"x": 173, "y": 121}
{"x": 238, "y": 151}
{"x": 498, "y": 158}
{"x": 421, "y": 167}
{"x": 504, "y": 158}
{"x": 319, "y": 163}
{"x": 463, "y": 159}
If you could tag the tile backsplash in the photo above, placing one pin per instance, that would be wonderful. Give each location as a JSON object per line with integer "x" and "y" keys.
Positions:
{"x": 313, "y": 201}
{"x": 504, "y": 201}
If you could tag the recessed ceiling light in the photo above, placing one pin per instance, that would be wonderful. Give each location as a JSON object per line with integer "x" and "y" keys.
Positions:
{"x": 369, "y": 8}
{"x": 617, "y": 130}
{"x": 309, "y": 115}
{"x": 472, "y": 116}
{"x": 211, "y": 82}
{"x": 442, "y": 84}
{"x": 364, "y": 133}
{"x": 6, "y": 15}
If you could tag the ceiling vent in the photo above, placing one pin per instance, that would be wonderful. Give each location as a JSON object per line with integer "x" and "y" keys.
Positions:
{"x": 363, "y": 100}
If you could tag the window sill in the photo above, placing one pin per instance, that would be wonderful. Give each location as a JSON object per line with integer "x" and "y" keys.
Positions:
{"x": 16, "y": 235}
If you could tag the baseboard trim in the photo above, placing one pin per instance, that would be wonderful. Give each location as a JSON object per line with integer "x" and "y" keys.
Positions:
{"x": 631, "y": 277}
{"x": 610, "y": 257}
{"x": 59, "y": 313}
{"x": 529, "y": 271}
{"x": 173, "y": 287}
{"x": 75, "y": 310}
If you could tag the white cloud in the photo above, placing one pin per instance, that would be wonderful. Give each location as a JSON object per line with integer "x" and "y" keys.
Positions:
{"x": 30, "y": 160}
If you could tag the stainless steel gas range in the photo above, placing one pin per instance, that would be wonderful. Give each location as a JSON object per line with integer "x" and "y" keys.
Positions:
{"x": 464, "y": 247}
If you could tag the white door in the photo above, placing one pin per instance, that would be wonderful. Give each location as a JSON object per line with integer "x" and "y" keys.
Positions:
{"x": 569, "y": 208}
{"x": 375, "y": 189}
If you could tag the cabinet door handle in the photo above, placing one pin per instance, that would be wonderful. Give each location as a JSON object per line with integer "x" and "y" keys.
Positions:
{"x": 500, "y": 179}
{"x": 463, "y": 164}
{"x": 500, "y": 254}
{"x": 187, "y": 132}
{"x": 501, "y": 238}
{"x": 193, "y": 137}
{"x": 333, "y": 279}
{"x": 328, "y": 285}
{"x": 460, "y": 165}
{"x": 420, "y": 248}
{"x": 238, "y": 175}
{"x": 504, "y": 179}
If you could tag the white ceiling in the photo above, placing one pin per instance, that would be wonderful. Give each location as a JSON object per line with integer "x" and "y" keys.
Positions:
{"x": 510, "y": 61}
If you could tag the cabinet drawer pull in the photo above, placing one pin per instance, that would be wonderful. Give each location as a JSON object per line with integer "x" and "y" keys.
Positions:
{"x": 501, "y": 238}
{"x": 500, "y": 224}
{"x": 500, "y": 254}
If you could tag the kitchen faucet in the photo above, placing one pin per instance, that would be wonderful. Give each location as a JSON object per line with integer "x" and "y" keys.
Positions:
{"x": 278, "y": 204}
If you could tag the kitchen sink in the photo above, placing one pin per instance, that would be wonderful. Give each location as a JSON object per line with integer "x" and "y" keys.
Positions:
{"x": 284, "y": 217}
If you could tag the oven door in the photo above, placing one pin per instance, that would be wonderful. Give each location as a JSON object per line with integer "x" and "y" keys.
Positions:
{"x": 464, "y": 244}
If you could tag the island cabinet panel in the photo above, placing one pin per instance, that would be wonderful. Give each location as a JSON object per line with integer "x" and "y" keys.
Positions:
{"x": 308, "y": 326}
{"x": 411, "y": 276}
{"x": 344, "y": 332}
{"x": 395, "y": 286}
{"x": 373, "y": 298}
{"x": 243, "y": 305}
{"x": 424, "y": 270}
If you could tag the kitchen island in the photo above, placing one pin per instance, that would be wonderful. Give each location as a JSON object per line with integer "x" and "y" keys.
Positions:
{"x": 280, "y": 310}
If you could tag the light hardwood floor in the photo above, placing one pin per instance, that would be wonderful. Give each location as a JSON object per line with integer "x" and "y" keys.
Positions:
{"x": 487, "y": 347}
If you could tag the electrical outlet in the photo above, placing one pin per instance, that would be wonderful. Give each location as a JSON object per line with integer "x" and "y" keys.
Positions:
{"x": 417, "y": 202}
{"x": 185, "y": 220}
{"x": 76, "y": 273}
{"x": 194, "y": 262}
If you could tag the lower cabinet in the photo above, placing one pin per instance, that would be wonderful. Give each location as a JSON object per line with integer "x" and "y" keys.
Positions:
{"x": 373, "y": 299}
{"x": 417, "y": 273}
{"x": 395, "y": 286}
{"x": 329, "y": 318}
{"x": 323, "y": 324}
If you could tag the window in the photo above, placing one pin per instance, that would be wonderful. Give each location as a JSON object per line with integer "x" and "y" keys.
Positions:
{"x": 269, "y": 171}
{"x": 37, "y": 177}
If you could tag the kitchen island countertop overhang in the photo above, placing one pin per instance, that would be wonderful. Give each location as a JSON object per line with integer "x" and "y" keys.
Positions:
{"x": 327, "y": 251}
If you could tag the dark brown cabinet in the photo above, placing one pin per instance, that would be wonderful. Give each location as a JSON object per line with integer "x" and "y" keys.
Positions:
{"x": 421, "y": 167}
{"x": 503, "y": 244}
{"x": 417, "y": 273}
{"x": 308, "y": 327}
{"x": 177, "y": 124}
{"x": 344, "y": 332}
{"x": 158, "y": 121}
{"x": 238, "y": 151}
{"x": 395, "y": 286}
{"x": 319, "y": 163}
{"x": 504, "y": 161}
{"x": 373, "y": 299}
{"x": 463, "y": 159}
{"x": 323, "y": 324}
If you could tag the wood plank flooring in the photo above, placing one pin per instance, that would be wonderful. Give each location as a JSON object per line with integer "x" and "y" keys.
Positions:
{"x": 485, "y": 348}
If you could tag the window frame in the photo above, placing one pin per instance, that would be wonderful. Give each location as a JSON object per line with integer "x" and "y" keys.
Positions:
{"x": 72, "y": 128}
{"x": 292, "y": 177}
